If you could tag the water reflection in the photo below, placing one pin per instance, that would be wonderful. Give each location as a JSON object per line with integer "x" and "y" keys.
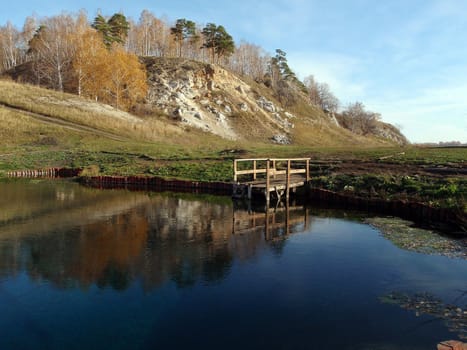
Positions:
{"x": 79, "y": 237}
{"x": 275, "y": 222}
{"x": 80, "y": 266}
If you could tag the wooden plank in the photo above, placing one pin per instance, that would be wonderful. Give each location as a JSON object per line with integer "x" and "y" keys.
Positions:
{"x": 250, "y": 159}
{"x": 246, "y": 172}
{"x": 291, "y": 159}
{"x": 287, "y": 181}
{"x": 267, "y": 181}
{"x": 254, "y": 170}
{"x": 291, "y": 171}
{"x": 235, "y": 170}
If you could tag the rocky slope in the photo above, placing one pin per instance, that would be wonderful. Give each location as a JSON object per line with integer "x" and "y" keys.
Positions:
{"x": 211, "y": 98}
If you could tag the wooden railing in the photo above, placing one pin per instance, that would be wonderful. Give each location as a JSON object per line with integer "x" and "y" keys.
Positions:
{"x": 270, "y": 168}
{"x": 277, "y": 174}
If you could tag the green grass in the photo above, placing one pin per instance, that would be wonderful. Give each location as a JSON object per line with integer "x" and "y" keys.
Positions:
{"x": 158, "y": 146}
{"x": 439, "y": 192}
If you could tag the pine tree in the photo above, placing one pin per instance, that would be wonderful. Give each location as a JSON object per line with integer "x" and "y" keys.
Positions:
{"x": 183, "y": 29}
{"x": 119, "y": 28}
{"x": 218, "y": 41}
{"x": 115, "y": 30}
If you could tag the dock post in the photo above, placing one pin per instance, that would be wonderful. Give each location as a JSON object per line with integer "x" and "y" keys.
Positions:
{"x": 235, "y": 170}
{"x": 287, "y": 184}
{"x": 267, "y": 183}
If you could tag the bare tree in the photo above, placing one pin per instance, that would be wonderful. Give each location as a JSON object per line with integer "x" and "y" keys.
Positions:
{"x": 358, "y": 120}
{"x": 10, "y": 52}
{"x": 320, "y": 95}
{"x": 312, "y": 87}
{"x": 150, "y": 36}
{"x": 249, "y": 60}
{"x": 328, "y": 101}
{"x": 52, "y": 49}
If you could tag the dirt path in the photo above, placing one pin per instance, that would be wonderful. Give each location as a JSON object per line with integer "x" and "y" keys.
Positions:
{"x": 355, "y": 167}
{"x": 65, "y": 124}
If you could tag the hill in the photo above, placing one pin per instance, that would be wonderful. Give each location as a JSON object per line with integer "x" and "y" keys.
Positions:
{"x": 185, "y": 93}
{"x": 193, "y": 111}
{"x": 215, "y": 100}
{"x": 199, "y": 95}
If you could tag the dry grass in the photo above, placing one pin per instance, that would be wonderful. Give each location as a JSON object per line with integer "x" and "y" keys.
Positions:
{"x": 71, "y": 108}
{"x": 18, "y": 128}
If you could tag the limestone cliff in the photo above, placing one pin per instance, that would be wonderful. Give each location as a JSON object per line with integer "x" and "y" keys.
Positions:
{"x": 210, "y": 98}
{"x": 215, "y": 100}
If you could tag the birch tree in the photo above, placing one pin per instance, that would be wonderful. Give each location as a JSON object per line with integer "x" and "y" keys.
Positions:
{"x": 249, "y": 60}
{"x": 52, "y": 49}
{"x": 9, "y": 46}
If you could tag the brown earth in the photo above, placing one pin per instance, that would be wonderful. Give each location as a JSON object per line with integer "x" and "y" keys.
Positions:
{"x": 355, "y": 167}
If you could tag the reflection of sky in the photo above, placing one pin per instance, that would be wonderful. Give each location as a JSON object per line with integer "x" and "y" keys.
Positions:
{"x": 164, "y": 265}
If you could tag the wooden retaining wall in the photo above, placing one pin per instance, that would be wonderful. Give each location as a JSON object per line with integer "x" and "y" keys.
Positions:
{"x": 421, "y": 213}
{"x": 158, "y": 184}
{"x": 45, "y": 173}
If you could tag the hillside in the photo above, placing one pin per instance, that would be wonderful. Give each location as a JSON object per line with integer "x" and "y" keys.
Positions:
{"x": 217, "y": 101}
{"x": 193, "y": 111}
{"x": 185, "y": 93}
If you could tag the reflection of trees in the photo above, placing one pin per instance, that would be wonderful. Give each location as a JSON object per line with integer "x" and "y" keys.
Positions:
{"x": 155, "y": 240}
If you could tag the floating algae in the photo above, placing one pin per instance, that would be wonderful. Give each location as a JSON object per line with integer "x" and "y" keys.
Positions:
{"x": 405, "y": 236}
{"x": 454, "y": 316}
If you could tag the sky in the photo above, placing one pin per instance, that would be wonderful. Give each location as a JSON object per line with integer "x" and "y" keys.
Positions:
{"x": 405, "y": 59}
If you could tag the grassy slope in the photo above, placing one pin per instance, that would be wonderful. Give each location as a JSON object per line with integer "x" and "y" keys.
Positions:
{"x": 149, "y": 143}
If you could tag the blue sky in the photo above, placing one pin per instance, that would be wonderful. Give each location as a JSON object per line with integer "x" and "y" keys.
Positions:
{"x": 406, "y": 59}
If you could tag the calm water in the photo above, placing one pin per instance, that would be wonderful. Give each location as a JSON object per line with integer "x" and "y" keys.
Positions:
{"x": 88, "y": 269}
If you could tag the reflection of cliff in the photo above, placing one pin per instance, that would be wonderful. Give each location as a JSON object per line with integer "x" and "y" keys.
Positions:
{"x": 153, "y": 239}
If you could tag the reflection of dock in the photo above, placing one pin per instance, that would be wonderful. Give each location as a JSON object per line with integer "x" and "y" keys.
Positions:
{"x": 274, "y": 222}
{"x": 266, "y": 176}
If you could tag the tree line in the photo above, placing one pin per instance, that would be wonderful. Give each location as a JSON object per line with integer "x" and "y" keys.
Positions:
{"x": 99, "y": 59}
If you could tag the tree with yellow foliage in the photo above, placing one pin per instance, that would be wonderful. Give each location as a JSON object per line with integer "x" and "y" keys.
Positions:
{"x": 124, "y": 81}
{"x": 108, "y": 75}
{"x": 89, "y": 53}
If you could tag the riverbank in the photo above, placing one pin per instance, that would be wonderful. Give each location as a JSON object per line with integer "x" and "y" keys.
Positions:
{"x": 427, "y": 181}
{"x": 447, "y": 219}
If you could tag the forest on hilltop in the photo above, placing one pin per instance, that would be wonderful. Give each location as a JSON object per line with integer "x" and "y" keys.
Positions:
{"x": 99, "y": 59}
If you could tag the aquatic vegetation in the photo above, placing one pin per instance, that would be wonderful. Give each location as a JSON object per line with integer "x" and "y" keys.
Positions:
{"x": 454, "y": 316}
{"x": 406, "y": 236}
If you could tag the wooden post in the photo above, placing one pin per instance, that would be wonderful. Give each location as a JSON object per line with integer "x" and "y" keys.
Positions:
{"x": 287, "y": 184}
{"x": 308, "y": 170}
{"x": 267, "y": 182}
{"x": 274, "y": 168}
{"x": 235, "y": 170}
{"x": 266, "y": 224}
{"x": 254, "y": 170}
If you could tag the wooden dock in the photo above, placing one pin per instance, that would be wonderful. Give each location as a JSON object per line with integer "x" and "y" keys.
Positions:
{"x": 277, "y": 176}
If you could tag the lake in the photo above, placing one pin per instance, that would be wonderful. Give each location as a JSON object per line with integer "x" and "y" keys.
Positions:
{"x": 82, "y": 268}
